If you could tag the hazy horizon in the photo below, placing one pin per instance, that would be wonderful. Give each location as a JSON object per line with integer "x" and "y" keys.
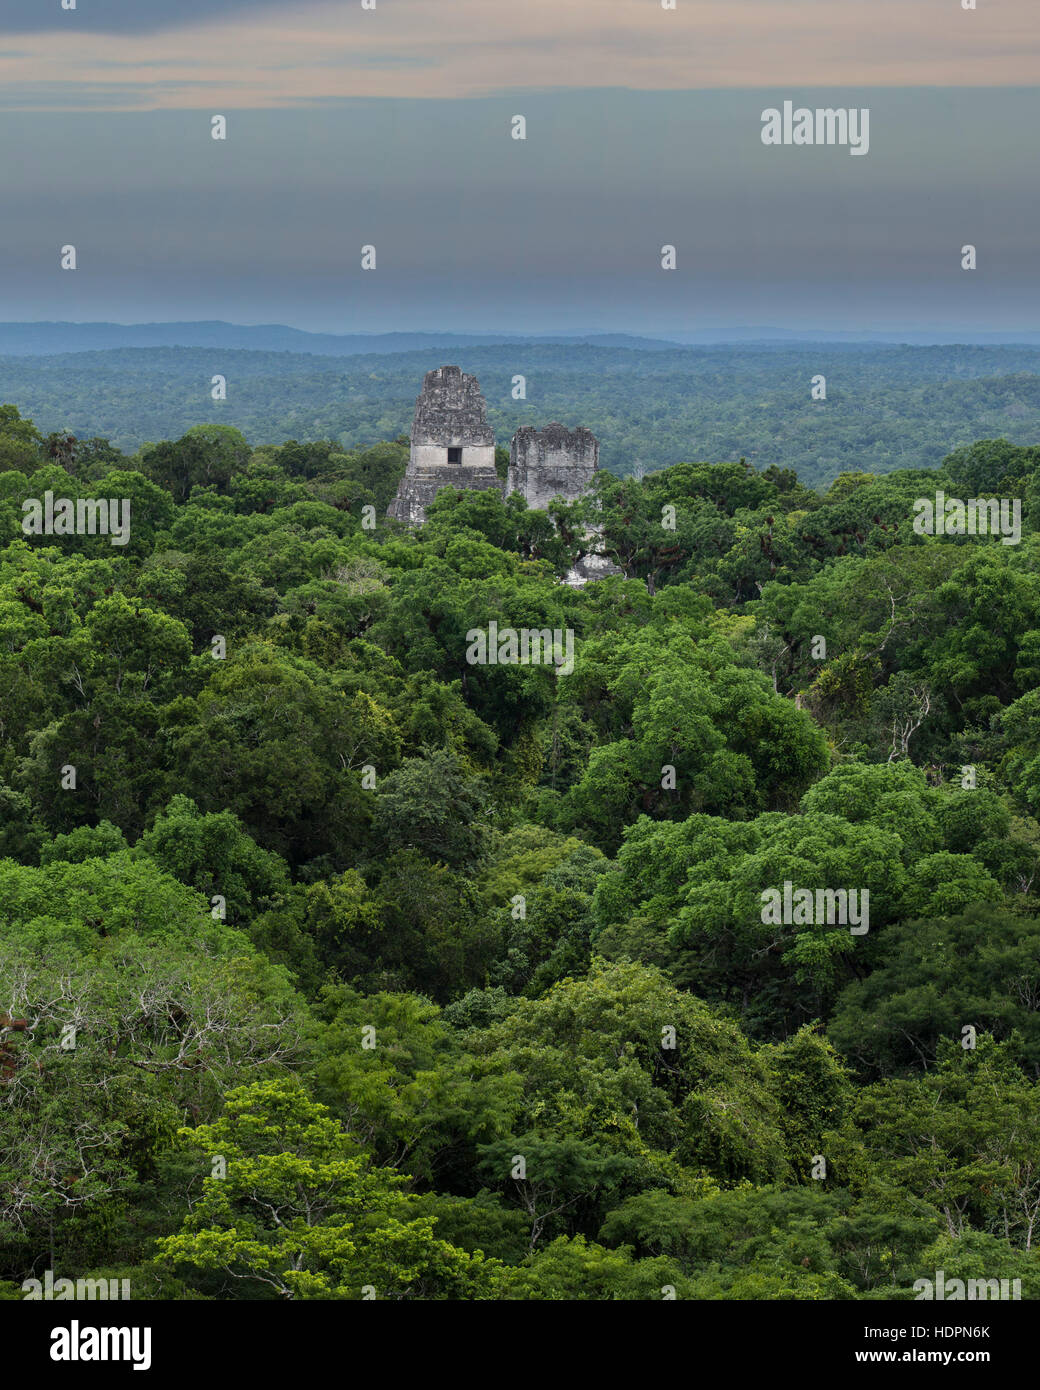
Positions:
{"x": 918, "y": 335}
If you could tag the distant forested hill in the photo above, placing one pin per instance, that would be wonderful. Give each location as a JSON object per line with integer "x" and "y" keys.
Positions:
{"x": 887, "y": 407}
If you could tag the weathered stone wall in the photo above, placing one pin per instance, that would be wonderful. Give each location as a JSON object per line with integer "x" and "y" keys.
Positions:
{"x": 450, "y": 413}
{"x": 594, "y": 565}
{"x": 451, "y": 410}
{"x": 552, "y": 462}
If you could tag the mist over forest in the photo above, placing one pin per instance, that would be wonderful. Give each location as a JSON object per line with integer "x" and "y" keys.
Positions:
{"x": 887, "y": 406}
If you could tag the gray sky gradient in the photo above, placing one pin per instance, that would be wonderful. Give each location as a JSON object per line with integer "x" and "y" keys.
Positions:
{"x": 475, "y": 231}
{"x": 391, "y": 126}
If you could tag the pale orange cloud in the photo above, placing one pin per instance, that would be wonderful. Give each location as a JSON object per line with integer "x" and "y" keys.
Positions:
{"x": 464, "y": 48}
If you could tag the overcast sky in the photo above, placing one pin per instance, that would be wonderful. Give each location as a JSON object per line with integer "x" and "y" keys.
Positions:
{"x": 392, "y": 126}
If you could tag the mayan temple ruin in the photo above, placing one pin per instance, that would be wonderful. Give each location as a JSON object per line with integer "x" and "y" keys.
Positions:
{"x": 552, "y": 462}
{"x": 452, "y": 444}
